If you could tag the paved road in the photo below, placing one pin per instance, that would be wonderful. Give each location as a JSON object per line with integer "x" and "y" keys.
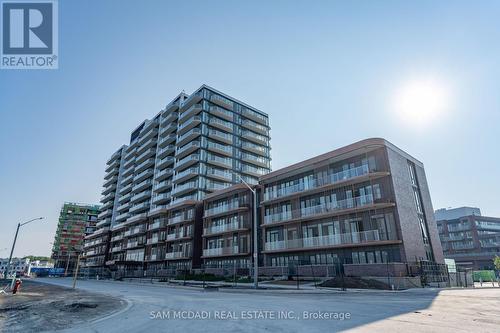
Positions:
{"x": 418, "y": 310}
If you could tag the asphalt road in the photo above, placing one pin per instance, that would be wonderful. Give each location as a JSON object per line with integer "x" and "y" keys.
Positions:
{"x": 156, "y": 308}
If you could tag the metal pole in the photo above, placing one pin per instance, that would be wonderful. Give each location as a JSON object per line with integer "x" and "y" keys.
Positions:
{"x": 255, "y": 245}
{"x": 76, "y": 271}
{"x": 11, "y": 252}
{"x": 255, "y": 242}
{"x": 67, "y": 264}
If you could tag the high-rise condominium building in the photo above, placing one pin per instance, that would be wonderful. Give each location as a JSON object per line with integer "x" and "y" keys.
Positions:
{"x": 197, "y": 144}
{"x": 76, "y": 221}
{"x": 366, "y": 203}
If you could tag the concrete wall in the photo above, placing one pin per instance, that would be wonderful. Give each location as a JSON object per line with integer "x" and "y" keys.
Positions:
{"x": 413, "y": 245}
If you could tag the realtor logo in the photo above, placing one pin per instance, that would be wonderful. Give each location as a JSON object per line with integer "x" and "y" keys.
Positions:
{"x": 29, "y": 35}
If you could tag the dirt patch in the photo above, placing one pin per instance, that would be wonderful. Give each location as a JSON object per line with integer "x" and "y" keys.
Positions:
{"x": 42, "y": 307}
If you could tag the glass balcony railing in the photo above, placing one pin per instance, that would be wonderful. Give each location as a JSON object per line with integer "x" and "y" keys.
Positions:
{"x": 235, "y": 204}
{"x": 227, "y": 227}
{"x": 329, "y": 240}
{"x": 270, "y": 194}
{"x": 320, "y": 209}
{"x": 222, "y": 251}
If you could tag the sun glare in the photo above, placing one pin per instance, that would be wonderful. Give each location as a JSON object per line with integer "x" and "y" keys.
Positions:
{"x": 422, "y": 101}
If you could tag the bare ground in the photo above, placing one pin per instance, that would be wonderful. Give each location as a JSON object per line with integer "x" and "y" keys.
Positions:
{"x": 42, "y": 307}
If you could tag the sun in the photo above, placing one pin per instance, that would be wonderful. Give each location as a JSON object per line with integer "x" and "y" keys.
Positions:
{"x": 422, "y": 101}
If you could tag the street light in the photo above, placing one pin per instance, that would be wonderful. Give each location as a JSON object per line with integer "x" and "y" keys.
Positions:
{"x": 14, "y": 244}
{"x": 255, "y": 245}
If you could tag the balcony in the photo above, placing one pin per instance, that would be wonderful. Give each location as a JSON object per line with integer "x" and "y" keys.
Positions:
{"x": 332, "y": 207}
{"x": 225, "y": 208}
{"x": 146, "y": 137}
{"x": 254, "y": 159}
{"x": 103, "y": 223}
{"x": 221, "y": 124}
{"x": 142, "y": 185}
{"x": 187, "y": 161}
{"x": 316, "y": 182}
{"x": 128, "y": 171}
{"x": 187, "y": 149}
{"x": 253, "y": 170}
{"x": 167, "y": 140}
{"x": 127, "y": 180}
{"x": 129, "y": 155}
{"x": 256, "y": 138}
{"x": 178, "y": 255}
{"x": 123, "y": 207}
{"x": 170, "y": 117}
{"x": 227, "y": 227}
{"x": 153, "y": 240}
{"x": 105, "y": 214}
{"x": 220, "y": 136}
{"x": 117, "y": 249}
{"x": 149, "y": 125}
{"x": 255, "y": 116}
{"x": 190, "y": 123}
{"x": 134, "y": 231}
{"x": 144, "y": 165}
{"x": 134, "y": 244}
{"x": 224, "y": 162}
{"x": 159, "y": 199}
{"x": 110, "y": 181}
{"x": 117, "y": 237}
{"x": 139, "y": 207}
{"x": 186, "y": 198}
{"x": 191, "y": 111}
{"x": 143, "y": 175}
{"x": 255, "y": 148}
{"x": 168, "y": 128}
{"x": 109, "y": 189}
{"x": 163, "y": 152}
{"x": 112, "y": 172}
{"x": 126, "y": 189}
{"x": 256, "y": 127}
{"x": 148, "y": 153}
{"x": 163, "y": 174}
{"x": 180, "y": 219}
{"x": 325, "y": 241}
{"x": 167, "y": 161}
{"x": 220, "y": 174}
{"x": 158, "y": 224}
{"x": 185, "y": 188}
{"x": 185, "y": 175}
{"x": 223, "y": 251}
{"x": 188, "y": 136}
{"x": 123, "y": 217}
{"x": 222, "y": 101}
{"x": 214, "y": 186}
{"x": 220, "y": 112}
{"x": 163, "y": 185}
{"x": 108, "y": 197}
{"x": 116, "y": 155}
{"x": 220, "y": 148}
{"x": 141, "y": 196}
{"x": 170, "y": 108}
{"x": 179, "y": 236}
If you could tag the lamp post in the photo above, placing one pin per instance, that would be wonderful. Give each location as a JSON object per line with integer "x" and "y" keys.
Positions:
{"x": 14, "y": 244}
{"x": 255, "y": 241}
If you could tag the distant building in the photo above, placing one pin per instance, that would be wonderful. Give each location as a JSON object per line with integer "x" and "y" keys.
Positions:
{"x": 17, "y": 265}
{"x": 75, "y": 222}
{"x": 455, "y": 213}
{"x": 472, "y": 240}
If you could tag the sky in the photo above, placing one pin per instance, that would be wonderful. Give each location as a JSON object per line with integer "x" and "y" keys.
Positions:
{"x": 328, "y": 73}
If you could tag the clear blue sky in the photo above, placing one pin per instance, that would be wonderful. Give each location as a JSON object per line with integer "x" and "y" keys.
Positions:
{"x": 325, "y": 72}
